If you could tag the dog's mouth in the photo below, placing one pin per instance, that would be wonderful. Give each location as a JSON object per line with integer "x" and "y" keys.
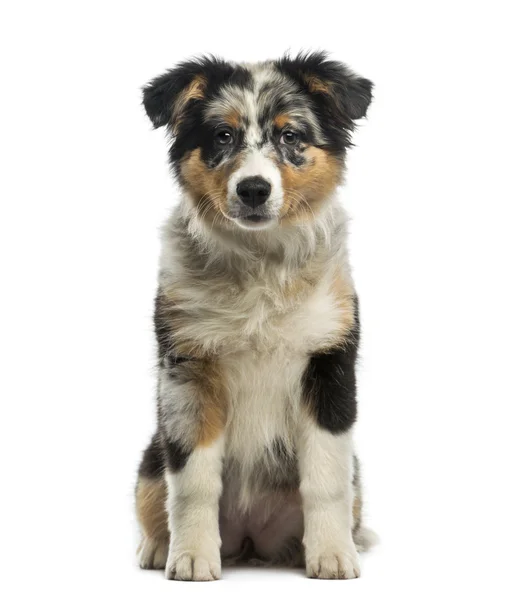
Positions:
{"x": 246, "y": 218}
{"x": 254, "y": 221}
{"x": 254, "y": 218}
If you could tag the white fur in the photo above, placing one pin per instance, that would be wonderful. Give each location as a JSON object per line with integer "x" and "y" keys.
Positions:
{"x": 193, "y": 508}
{"x": 257, "y": 163}
{"x": 152, "y": 553}
{"x": 326, "y": 470}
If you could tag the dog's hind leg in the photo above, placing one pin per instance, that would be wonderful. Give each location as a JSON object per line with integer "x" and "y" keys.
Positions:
{"x": 151, "y": 496}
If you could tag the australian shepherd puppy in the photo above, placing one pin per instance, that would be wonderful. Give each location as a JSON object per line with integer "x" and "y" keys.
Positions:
{"x": 257, "y": 323}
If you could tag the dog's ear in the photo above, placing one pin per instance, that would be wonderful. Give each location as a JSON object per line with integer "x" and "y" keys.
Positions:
{"x": 170, "y": 96}
{"x": 330, "y": 82}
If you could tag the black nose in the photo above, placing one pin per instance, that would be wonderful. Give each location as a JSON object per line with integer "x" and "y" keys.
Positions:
{"x": 253, "y": 191}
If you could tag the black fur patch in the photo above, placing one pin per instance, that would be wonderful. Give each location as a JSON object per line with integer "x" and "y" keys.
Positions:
{"x": 283, "y": 473}
{"x": 329, "y": 384}
{"x": 352, "y": 93}
{"x": 152, "y": 465}
{"x": 160, "y": 94}
{"x": 157, "y": 453}
{"x": 348, "y": 98}
{"x": 163, "y": 329}
{"x": 176, "y": 455}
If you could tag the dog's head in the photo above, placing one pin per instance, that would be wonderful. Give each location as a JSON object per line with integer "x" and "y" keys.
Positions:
{"x": 258, "y": 145}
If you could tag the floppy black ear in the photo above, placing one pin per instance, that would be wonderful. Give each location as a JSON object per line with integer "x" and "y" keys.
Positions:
{"x": 330, "y": 81}
{"x": 168, "y": 97}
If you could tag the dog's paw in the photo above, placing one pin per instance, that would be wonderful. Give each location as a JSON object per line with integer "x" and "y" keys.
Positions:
{"x": 336, "y": 564}
{"x": 152, "y": 553}
{"x": 189, "y": 566}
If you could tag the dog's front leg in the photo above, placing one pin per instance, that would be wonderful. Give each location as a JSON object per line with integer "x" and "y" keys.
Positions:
{"x": 326, "y": 462}
{"x": 193, "y": 501}
{"x": 191, "y": 419}
{"x": 326, "y": 490}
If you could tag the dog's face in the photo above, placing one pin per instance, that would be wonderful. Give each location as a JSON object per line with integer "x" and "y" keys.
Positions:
{"x": 258, "y": 145}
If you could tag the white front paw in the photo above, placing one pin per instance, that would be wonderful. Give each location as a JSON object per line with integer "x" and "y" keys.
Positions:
{"x": 193, "y": 566}
{"x": 333, "y": 564}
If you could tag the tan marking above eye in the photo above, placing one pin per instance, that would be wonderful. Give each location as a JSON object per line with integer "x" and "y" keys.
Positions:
{"x": 233, "y": 118}
{"x": 280, "y": 121}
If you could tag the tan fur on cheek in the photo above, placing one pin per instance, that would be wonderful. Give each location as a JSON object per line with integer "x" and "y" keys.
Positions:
{"x": 207, "y": 187}
{"x": 307, "y": 186}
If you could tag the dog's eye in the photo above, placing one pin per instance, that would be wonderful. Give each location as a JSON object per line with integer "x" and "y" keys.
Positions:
{"x": 289, "y": 138}
{"x": 224, "y": 137}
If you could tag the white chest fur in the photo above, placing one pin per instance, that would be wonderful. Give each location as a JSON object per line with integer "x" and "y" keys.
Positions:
{"x": 264, "y": 350}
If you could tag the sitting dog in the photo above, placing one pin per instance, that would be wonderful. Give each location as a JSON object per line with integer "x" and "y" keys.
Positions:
{"x": 257, "y": 323}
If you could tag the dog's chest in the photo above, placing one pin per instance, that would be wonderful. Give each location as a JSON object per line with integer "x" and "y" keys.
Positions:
{"x": 266, "y": 351}
{"x": 263, "y": 320}
{"x": 262, "y": 336}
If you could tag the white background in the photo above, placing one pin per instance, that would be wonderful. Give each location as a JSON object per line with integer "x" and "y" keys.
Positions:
{"x": 84, "y": 188}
